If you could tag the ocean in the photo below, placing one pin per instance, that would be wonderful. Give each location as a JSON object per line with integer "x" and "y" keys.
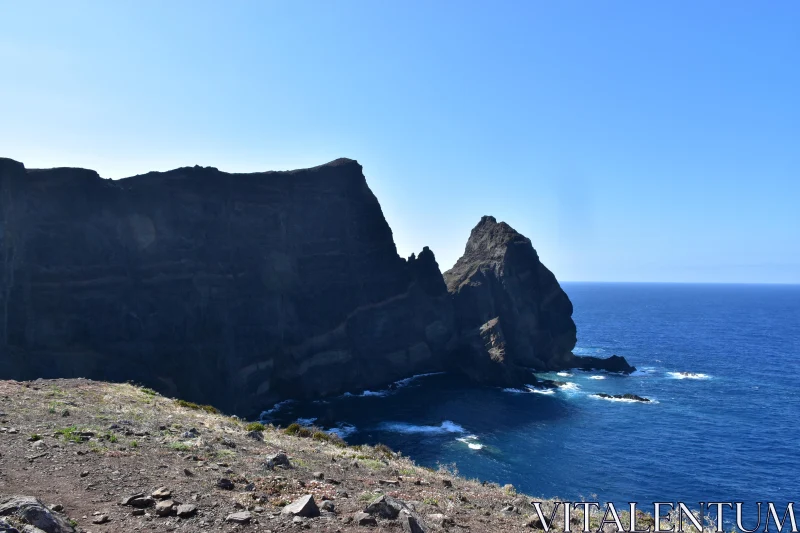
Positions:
{"x": 720, "y": 362}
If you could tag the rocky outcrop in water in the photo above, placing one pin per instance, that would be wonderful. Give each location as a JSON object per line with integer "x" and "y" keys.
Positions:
{"x": 242, "y": 289}
{"x": 500, "y": 286}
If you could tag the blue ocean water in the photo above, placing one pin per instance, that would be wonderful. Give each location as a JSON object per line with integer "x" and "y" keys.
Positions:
{"x": 726, "y": 432}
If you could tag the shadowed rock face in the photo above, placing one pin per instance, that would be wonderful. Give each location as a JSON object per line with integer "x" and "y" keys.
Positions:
{"x": 511, "y": 311}
{"x": 500, "y": 280}
{"x": 242, "y": 289}
{"x": 230, "y": 289}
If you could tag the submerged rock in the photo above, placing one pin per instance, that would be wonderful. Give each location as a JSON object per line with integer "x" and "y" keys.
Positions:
{"x": 627, "y": 396}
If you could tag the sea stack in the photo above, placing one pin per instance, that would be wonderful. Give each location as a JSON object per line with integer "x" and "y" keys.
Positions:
{"x": 511, "y": 311}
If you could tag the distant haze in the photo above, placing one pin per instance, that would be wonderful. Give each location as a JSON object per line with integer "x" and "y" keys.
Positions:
{"x": 630, "y": 141}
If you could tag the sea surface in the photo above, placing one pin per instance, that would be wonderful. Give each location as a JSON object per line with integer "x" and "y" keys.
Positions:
{"x": 727, "y": 431}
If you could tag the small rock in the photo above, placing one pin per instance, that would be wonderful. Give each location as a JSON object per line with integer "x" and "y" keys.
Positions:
{"x": 84, "y": 473}
{"x": 303, "y": 506}
{"x": 389, "y": 482}
{"x": 255, "y": 435}
{"x": 142, "y": 502}
{"x": 447, "y": 483}
{"x": 187, "y": 472}
{"x": 258, "y": 509}
{"x": 191, "y": 434}
{"x": 137, "y": 512}
{"x": 342, "y": 494}
{"x": 385, "y": 507}
{"x": 225, "y": 484}
{"x": 165, "y": 507}
{"x": 327, "y": 505}
{"x": 101, "y": 519}
{"x": 279, "y": 459}
{"x": 242, "y": 517}
{"x": 228, "y": 442}
{"x": 363, "y": 519}
{"x": 57, "y": 507}
{"x": 410, "y": 524}
{"x": 186, "y": 510}
{"x": 161, "y": 493}
{"x": 440, "y": 520}
{"x": 318, "y": 475}
{"x": 128, "y": 499}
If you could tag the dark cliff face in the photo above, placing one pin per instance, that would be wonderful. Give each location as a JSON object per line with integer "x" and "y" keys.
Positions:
{"x": 231, "y": 289}
{"x": 242, "y": 289}
{"x": 499, "y": 283}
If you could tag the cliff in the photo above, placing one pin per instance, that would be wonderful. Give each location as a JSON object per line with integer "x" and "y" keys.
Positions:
{"x": 233, "y": 289}
{"x": 242, "y": 289}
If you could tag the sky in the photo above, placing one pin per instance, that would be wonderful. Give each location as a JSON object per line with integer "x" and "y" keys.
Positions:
{"x": 630, "y": 141}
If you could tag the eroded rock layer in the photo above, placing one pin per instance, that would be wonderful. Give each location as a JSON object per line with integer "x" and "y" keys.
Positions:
{"x": 230, "y": 289}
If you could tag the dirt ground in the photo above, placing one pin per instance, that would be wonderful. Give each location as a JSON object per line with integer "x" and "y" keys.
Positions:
{"x": 88, "y": 445}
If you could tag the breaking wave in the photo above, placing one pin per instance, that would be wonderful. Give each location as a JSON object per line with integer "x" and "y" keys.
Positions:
{"x": 472, "y": 442}
{"x": 269, "y": 413}
{"x": 688, "y": 375}
{"x": 402, "y": 427}
{"x": 343, "y": 430}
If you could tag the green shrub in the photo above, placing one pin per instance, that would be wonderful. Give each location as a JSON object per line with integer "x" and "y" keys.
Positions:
{"x": 255, "y": 426}
{"x": 332, "y": 438}
{"x": 191, "y": 405}
{"x": 70, "y": 434}
{"x": 384, "y": 450}
{"x": 35, "y": 437}
{"x": 298, "y": 430}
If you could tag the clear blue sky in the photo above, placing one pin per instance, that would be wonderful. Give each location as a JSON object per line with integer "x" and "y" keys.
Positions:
{"x": 631, "y": 141}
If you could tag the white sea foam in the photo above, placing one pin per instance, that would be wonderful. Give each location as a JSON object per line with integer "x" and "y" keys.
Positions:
{"x": 343, "y": 430}
{"x": 471, "y": 442}
{"x": 620, "y": 400}
{"x": 407, "y": 381}
{"x": 269, "y": 413}
{"x": 367, "y": 393}
{"x": 569, "y": 386}
{"x": 306, "y": 421}
{"x": 564, "y": 374}
{"x": 392, "y": 388}
{"x": 543, "y": 391}
{"x": 514, "y": 391}
{"x": 688, "y": 375}
{"x": 402, "y": 427}
{"x": 597, "y": 377}
{"x": 587, "y": 351}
